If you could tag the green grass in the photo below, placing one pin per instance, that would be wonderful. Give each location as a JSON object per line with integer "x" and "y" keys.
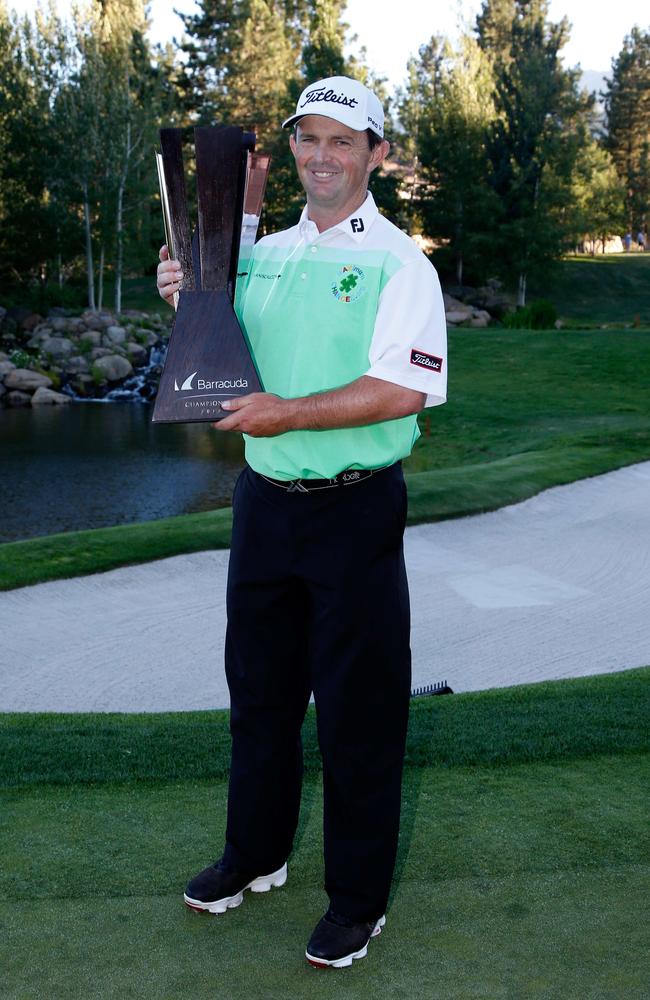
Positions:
{"x": 527, "y": 411}
{"x": 547, "y": 721}
{"x": 522, "y": 874}
{"x": 609, "y": 288}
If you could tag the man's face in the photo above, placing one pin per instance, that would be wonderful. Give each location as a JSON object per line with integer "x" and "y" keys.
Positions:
{"x": 333, "y": 163}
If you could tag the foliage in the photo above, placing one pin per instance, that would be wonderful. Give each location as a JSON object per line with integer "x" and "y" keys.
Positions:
{"x": 455, "y": 200}
{"x": 494, "y": 151}
{"x": 598, "y": 196}
{"x": 539, "y": 315}
{"x": 533, "y": 141}
{"x": 627, "y": 107}
{"x": 78, "y": 104}
{"x": 20, "y": 358}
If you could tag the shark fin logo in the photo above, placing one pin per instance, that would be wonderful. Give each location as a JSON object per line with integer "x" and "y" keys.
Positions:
{"x": 187, "y": 384}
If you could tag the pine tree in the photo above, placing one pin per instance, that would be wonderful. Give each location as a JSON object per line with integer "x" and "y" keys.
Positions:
{"x": 457, "y": 202}
{"x": 26, "y": 217}
{"x": 598, "y": 203}
{"x": 627, "y": 106}
{"x": 540, "y": 124}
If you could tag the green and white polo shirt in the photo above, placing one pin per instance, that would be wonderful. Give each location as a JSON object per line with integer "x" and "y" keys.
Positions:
{"x": 322, "y": 309}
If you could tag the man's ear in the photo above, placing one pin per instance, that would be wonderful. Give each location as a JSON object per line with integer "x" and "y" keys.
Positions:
{"x": 292, "y": 143}
{"x": 378, "y": 154}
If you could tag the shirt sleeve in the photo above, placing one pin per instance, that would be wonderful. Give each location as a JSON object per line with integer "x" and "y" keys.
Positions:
{"x": 409, "y": 342}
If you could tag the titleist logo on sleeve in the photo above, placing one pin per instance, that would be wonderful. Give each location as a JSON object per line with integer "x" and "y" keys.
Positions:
{"x": 428, "y": 361}
{"x": 321, "y": 94}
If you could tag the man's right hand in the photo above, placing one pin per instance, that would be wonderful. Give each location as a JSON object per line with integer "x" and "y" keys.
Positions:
{"x": 169, "y": 276}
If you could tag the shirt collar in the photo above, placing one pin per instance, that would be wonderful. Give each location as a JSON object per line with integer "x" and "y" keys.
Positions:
{"x": 356, "y": 225}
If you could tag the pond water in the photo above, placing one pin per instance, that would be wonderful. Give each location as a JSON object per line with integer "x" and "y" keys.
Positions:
{"x": 90, "y": 465}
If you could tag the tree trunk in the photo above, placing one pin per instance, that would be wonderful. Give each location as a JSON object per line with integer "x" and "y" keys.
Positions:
{"x": 119, "y": 221}
{"x": 459, "y": 270}
{"x": 119, "y": 233}
{"x": 100, "y": 279}
{"x": 89, "y": 251}
{"x": 521, "y": 292}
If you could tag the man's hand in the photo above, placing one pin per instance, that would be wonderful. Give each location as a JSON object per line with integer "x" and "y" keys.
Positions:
{"x": 169, "y": 276}
{"x": 260, "y": 414}
{"x": 367, "y": 400}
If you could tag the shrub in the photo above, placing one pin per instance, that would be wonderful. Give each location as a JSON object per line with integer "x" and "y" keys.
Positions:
{"x": 20, "y": 358}
{"x": 539, "y": 315}
{"x": 97, "y": 374}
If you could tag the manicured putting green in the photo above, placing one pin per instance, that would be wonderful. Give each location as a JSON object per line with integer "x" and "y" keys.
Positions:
{"x": 530, "y": 882}
{"x": 523, "y": 871}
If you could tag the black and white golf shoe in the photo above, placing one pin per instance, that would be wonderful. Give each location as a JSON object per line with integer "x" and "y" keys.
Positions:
{"x": 217, "y": 888}
{"x": 337, "y": 941}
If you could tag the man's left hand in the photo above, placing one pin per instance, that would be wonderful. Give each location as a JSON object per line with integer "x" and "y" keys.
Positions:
{"x": 260, "y": 414}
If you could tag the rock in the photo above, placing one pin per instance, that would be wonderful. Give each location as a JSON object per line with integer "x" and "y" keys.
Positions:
{"x": 97, "y": 320}
{"x": 43, "y": 397}
{"x": 478, "y": 321}
{"x": 136, "y": 352}
{"x": 114, "y": 335}
{"x": 2, "y": 390}
{"x": 17, "y": 398}
{"x": 26, "y": 380}
{"x": 113, "y": 367}
{"x": 76, "y": 325}
{"x": 145, "y": 337}
{"x": 59, "y": 323}
{"x": 558, "y": 324}
{"x": 6, "y": 367}
{"x": 100, "y": 352}
{"x": 39, "y": 334}
{"x": 459, "y": 315}
{"x": 451, "y": 303}
{"x": 30, "y": 321}
{"x": 93, "y": 337}
{"x": 57, "y": 347}
{"x": 76, "y": 366}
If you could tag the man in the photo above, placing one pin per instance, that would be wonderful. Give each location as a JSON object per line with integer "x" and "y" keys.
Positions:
{"x": 346, "y": 322}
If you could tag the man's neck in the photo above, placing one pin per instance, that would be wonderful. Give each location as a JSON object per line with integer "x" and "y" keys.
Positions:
{"x": 326, "y": 218}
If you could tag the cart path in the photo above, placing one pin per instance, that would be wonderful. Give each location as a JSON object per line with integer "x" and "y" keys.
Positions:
{"x": 556, "y": 586}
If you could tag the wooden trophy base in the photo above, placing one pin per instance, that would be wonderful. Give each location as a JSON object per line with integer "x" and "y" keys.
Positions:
{"x": 208, "y": 361}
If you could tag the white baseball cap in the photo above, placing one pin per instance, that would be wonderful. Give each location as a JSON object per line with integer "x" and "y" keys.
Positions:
{"x": 345, "y": 100}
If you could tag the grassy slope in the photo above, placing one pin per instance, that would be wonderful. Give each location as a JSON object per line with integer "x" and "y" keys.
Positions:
{"x": 547, "y": 721}
{"x": 522, "y": 873}
{"x": 526, "y": 411}
{"x": 611, "y": 288}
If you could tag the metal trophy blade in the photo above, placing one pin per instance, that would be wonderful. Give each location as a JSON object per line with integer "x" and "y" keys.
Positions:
{"x": 208, "y": 358}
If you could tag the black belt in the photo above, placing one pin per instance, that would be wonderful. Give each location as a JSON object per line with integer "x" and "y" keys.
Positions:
{"x": 345, "y": 478}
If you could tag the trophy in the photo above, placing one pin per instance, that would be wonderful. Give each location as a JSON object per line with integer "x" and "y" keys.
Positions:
{"x": 208, "y": 358}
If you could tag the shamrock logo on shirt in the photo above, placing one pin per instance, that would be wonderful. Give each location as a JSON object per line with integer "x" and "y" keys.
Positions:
{"x": 350, "y": 284}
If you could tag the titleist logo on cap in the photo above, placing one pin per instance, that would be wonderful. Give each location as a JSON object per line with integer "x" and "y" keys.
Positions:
{"x": 321, "y": 94}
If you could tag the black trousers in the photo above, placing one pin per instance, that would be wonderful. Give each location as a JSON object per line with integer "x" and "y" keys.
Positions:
{"x": 318, "y": 602}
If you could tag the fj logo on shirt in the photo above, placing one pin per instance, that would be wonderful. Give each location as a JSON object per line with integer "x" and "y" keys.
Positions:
{"x": 357, "y": 225}
{"x": 350, "y": 284}
{"x": 429, "y": 361}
